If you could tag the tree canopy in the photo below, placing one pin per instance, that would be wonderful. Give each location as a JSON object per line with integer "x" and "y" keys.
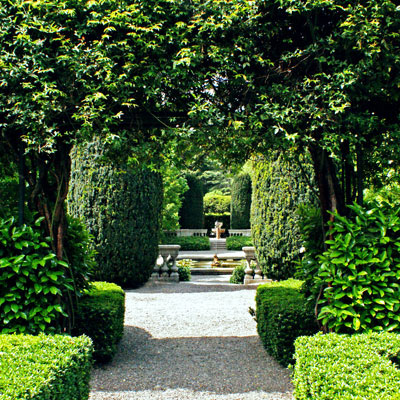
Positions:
{"x": 234, "y": 77}
{"x": 314, "y": 75}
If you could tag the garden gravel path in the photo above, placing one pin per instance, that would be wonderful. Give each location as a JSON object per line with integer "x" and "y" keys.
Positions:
{"x": 191, "y": 341}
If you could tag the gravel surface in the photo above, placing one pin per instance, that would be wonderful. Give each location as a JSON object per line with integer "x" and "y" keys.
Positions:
{"x": 190, "y": 341}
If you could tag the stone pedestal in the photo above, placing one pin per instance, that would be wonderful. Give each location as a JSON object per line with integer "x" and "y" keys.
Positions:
{"x": 252, "y": 276}
{"x": 166, "y": 269}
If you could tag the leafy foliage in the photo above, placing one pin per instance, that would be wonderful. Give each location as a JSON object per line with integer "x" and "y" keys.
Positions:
{"x": 184, "y": 272}
{"x": 241, "y": 202}
{"x": 191, "y": 212}
{"x": 312, "y": 241}
{"x": 175, "y": 186}
{"x": 283, "y": 315}
{"x": 238, "y": 274}
{"x": 113, "y": 200}
{"x": 215, "y": 203}
{"x": 361, "y": 270}
{"x": 32, "y": 281}
{"x": 348, "y": 367}
{"x": 100, "y": 316}
{"x": 81, "y": 255}
{"x": 44, "y": 367}
{"x": 8, "y": 196}
{"x": 278, "y": 190}
{"x": 329, "y": 87}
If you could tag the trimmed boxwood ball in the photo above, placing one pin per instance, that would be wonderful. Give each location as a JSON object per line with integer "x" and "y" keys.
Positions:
{"x": 100, "y": 316}
{"x": 241, "y": 202}
{"x": 361, "y": 366}
{"x": 121, "y": 208}
{"x": 44, "y": 367}
{"x": 278, "y": 190}
{"x": 283, "y": 315}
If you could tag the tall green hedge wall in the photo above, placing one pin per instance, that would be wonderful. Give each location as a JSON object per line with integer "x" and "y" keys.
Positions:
{"x": 122, "y": 210}
{"x": 192, "y": 210}
{"x": 278, "y": 189}
{"x": 241, "y": 202}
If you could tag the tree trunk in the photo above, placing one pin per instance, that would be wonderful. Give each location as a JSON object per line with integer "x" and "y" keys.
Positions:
{"x": 330, "y": 192}
{"x": 50, "y": 189}
{"x": 21, "y": 184}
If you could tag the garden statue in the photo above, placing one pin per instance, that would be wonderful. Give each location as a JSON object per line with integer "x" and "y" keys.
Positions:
{"x": 216, "y": 263}
{"x": 217, "y": 230}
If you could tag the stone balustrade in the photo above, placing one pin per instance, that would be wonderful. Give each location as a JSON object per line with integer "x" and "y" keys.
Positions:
{"x": 165, "y": 269}
{"x": 239, "y": 232}
{"x": 186, "y": 232}
{"x": 252, "y": 275}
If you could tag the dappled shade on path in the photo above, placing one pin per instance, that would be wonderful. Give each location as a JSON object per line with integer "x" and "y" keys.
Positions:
{"x": 191, "y": 341}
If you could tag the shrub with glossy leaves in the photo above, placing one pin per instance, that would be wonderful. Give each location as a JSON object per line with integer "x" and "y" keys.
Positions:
{"x": 32, "y": 281}
{"x": 361, "y": 271}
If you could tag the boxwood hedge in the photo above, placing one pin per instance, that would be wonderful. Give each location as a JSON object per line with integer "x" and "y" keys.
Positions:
{"x": 189, "y": 243}
{"x": 101, "y": 317}
{"x": 44, "y": 367}
{"x": 282, "y": 315}
{"x": 361, "y": 366}
{"x": 237, "y": 242}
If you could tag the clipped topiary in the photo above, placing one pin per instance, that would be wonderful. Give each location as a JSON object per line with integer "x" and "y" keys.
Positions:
{"x": 121, "y": 208}
{"x": 191, "y": 212}
{"x": 278, "y": 190}
{"x": 100, "y": 315}
{"x": 241, "y": 202}
{"x": 282, "y": 315}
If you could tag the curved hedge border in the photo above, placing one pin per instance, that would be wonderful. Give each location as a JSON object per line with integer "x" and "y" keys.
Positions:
{"x": 283, "y": 315}
{"x": 347, "y": 367}
{"x": 101, "y": 317}
{"x": 44, "y": 367}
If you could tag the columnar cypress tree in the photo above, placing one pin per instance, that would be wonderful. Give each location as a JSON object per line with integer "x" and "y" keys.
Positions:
{"x": 278, "y": 189}
{"x": 191, "y": 214}
{"x": 121, "y": 208}
{"x": 241, "y": 202}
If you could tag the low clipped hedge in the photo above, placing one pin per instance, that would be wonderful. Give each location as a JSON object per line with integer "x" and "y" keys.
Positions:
{"x": 45, "y": 367}
{"x": 101, "y": 317}
{"x": 189, "y": 243}
{"x": 344, "y": 367}
{"x": 282, "y": 315}
{"x": 237, "y": 242}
